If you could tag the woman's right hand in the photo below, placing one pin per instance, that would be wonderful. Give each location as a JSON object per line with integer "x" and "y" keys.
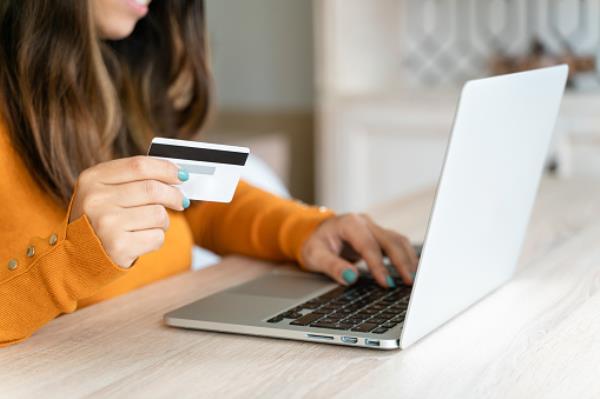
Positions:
{"x": 125, "y": 200}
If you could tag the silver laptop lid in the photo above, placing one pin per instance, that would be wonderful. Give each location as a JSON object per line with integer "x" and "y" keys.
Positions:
{"x": 494, "y": 162}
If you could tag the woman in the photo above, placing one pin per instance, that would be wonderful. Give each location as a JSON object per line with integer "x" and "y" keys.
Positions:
{"x": 84, "y": 86}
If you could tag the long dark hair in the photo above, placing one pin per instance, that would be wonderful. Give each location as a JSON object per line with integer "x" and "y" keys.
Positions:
{"x": 71, "y": 100}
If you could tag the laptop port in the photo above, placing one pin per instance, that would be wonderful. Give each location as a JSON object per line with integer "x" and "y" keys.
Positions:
{"x": 321, "y": 337}
{"x": 349, "y": 340}
{"x": 371, "y": 342}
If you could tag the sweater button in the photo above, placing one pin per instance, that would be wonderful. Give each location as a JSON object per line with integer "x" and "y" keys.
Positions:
{"x": 12, "y": 264}
{"x": 30, "y": 251}
{"x": 53, "y": 239}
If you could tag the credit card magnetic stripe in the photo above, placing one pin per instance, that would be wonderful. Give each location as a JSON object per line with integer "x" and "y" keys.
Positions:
{"x": 198, "y": 154}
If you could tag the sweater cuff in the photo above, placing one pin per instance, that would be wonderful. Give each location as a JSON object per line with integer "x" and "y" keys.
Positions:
{"x": 83, "y": 241}
{"x": 299, "y": 227}
{"x": 95, "y": 268}
{"x": 77, "y": 267}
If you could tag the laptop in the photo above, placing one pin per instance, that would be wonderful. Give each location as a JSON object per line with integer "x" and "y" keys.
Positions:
{"x": 494, "y": 162}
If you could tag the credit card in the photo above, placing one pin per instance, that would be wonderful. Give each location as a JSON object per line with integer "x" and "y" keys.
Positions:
{"x": 214, "y": 169}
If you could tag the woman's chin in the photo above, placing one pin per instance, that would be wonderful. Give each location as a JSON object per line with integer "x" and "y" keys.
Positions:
{"x": 116, "y": 31}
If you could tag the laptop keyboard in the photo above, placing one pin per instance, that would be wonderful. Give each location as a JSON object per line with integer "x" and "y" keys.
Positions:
{"x": 362, "y": 307}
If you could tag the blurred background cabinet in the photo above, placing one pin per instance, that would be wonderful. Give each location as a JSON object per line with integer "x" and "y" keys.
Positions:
{"x": 388, "y": 75}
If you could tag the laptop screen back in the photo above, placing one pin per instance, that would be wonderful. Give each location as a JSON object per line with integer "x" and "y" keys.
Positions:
{"x": 494, "y": 162}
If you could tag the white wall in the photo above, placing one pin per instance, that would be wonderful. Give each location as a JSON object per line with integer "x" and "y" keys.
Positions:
{"x": 262, "y": 53}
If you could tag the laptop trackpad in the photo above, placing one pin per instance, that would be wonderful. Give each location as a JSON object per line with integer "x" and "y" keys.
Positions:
{"x": 283, "y": 285}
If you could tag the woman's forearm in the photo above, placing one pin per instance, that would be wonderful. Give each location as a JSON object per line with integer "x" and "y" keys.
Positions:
{"x": 255, "y": 223}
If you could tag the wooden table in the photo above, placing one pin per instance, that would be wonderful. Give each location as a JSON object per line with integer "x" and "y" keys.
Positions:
{"x": 538, "y": 336}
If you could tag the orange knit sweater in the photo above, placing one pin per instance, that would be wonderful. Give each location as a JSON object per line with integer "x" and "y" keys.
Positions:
{"x": 49, "y": 266}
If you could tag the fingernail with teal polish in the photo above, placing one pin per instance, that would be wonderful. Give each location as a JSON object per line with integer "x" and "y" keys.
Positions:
{"x": 349, "y": 276}
{"x": 186, "y": 203}
{"x": 390, "y": 282}
{"x": 413, "y": 275}
{"x": 183, "y": 175}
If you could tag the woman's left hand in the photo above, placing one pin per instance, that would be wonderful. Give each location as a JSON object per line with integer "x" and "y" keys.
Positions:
{"x": 342, "y": 240}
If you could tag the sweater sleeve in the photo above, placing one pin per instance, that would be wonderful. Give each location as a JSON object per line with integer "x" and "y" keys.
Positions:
{"x": 47, "y": 264}
{"x": 67, "y": 266}
{"x": 255, "y": 223}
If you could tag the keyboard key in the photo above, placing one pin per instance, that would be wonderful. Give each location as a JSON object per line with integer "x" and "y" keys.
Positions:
{"x": 353, "y": 321}
{"x": 353, "y": 307}
{"x": 379, "y": 330}
{"x": 365, "y": 327}
{"x": 363, "y": 315}
{"x": 311, "y": 305}
{"x": 291, "y": 315}
{"x": 322, "y": 324}
{"x": 378, "y": 320}
{"x": 306, "y": 319}
{"x": 328, "y": 308}
{"x": 275, "y": 319}
{"x": 344, "y": 325}
{"x": 328, "y": 320}
{"x": 332, "y": 294}
{"x": 336, "y": 316}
